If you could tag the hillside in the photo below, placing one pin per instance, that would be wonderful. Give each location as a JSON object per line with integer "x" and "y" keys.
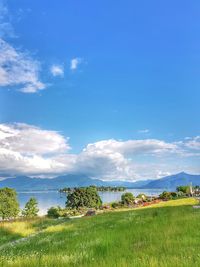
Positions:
{"x": 144, "y": 237}
{"x": 172, "y": 181}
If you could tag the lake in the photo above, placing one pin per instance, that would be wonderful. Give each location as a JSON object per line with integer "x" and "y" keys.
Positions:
{"x": 47, "y": 199}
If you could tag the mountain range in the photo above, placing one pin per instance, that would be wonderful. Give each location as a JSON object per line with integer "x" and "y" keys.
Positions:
{"x": 21, "y": 183}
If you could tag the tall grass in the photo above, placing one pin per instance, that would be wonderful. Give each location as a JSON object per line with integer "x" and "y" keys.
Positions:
{"x": 160, "y": 236}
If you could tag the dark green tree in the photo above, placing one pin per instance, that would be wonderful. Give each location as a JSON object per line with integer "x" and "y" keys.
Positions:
{"x": 183, "y": 188}
{"x": 87, "y": 197}
{"x": 31, "y": 208}
{"x": 9, "y": 205}
{"x": 127, "y": 198}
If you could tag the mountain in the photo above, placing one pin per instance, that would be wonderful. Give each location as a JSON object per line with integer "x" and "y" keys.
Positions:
{"x": 172, "y": 181}
{"x": 27, "y": 183}
{"x": 21, "y": 183}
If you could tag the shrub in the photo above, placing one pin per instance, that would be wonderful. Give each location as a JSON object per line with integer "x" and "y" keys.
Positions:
{"x": 54, "y": 212}
{"x": 115, "y": 205}
{"x": 127, "y": 198}
{"x": 165, "y": 195}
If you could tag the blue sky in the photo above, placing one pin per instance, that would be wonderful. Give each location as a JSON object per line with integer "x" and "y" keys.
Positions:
{"x": 101, "y": 70}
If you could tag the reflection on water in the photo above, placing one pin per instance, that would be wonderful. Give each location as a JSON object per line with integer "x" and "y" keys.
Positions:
{"x": 47, "y": 199}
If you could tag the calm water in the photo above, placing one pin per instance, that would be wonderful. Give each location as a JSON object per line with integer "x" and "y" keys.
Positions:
{"x": 47, "y": 199}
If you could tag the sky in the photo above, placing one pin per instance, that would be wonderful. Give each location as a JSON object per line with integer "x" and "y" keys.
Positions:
{"x": 109, "y": 89}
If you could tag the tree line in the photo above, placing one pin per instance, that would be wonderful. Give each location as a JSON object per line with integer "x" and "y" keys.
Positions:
{"x": 98, "y": 188}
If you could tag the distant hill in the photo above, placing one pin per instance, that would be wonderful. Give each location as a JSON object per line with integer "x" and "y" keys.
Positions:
{"x": 172, "y": 181}
{"x": 21, "y": 183}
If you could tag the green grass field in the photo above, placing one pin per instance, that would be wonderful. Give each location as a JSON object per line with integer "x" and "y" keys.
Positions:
{"x": 166, "y": 234}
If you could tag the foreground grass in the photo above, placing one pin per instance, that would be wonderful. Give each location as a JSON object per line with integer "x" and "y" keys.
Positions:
{"x": 164, "y": 235}
{"x": 11, "y": 231}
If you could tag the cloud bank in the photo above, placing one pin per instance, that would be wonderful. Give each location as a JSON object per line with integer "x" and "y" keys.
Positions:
{"x": 30, "y": 150}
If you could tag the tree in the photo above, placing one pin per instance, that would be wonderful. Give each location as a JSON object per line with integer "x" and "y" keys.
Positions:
{"x": 183, "y": 188}
{"x": 87, "y": 197}
{"x": 31, "y": 208}
{"x": 9, "y": 205}
{"x": 127, "y": 198}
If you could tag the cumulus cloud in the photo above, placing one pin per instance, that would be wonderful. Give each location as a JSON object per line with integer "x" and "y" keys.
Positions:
{"x": 31, "y": 140}
{"x": 57, "y": 70}
{"x": 26, "y": 149}
{"x": 74, "y": 63}
{"x": 30, "y": 150}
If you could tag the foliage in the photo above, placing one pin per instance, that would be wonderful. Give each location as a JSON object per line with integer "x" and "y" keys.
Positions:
{"x": 127, "y": 198}
{"x": 165, "y": 195}
{"x": 98, "y": 188}
{"x": 116, "y": 204}
{"x": 183, "y": 188}
{"x": 31, "y": 208}
{"x": 110, "y": 188}
{"x": 66, "y": 190}
{"x": 54, "y": 212}
{"x": 83, "y": 197}
{"x": 9, "y": 206}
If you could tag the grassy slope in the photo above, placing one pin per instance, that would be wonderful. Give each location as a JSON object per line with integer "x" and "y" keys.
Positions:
{"x": 158, "y": 236}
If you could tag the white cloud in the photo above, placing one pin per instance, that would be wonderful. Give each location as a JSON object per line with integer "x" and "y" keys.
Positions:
{"x": 74, "y": 63}
{"x": 26, "y": 149}
{"x": 193, "y": 143}
{"x": 57, "y": 70}
{"x": 30, "y": 150}
{"x": 18, "y": 69}
{"x": 31, "y": 140}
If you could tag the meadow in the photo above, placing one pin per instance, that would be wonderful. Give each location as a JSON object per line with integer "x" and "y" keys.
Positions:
{"x": 165, "y": 234}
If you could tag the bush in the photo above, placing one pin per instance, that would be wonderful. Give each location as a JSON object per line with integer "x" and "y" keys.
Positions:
{"x": 54, "y": 212}
{"x": 127, "y": 198}
{"x": 180, "y": 194}
{"x": 115, "y": 205}
{"x": 165, "y": 195}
